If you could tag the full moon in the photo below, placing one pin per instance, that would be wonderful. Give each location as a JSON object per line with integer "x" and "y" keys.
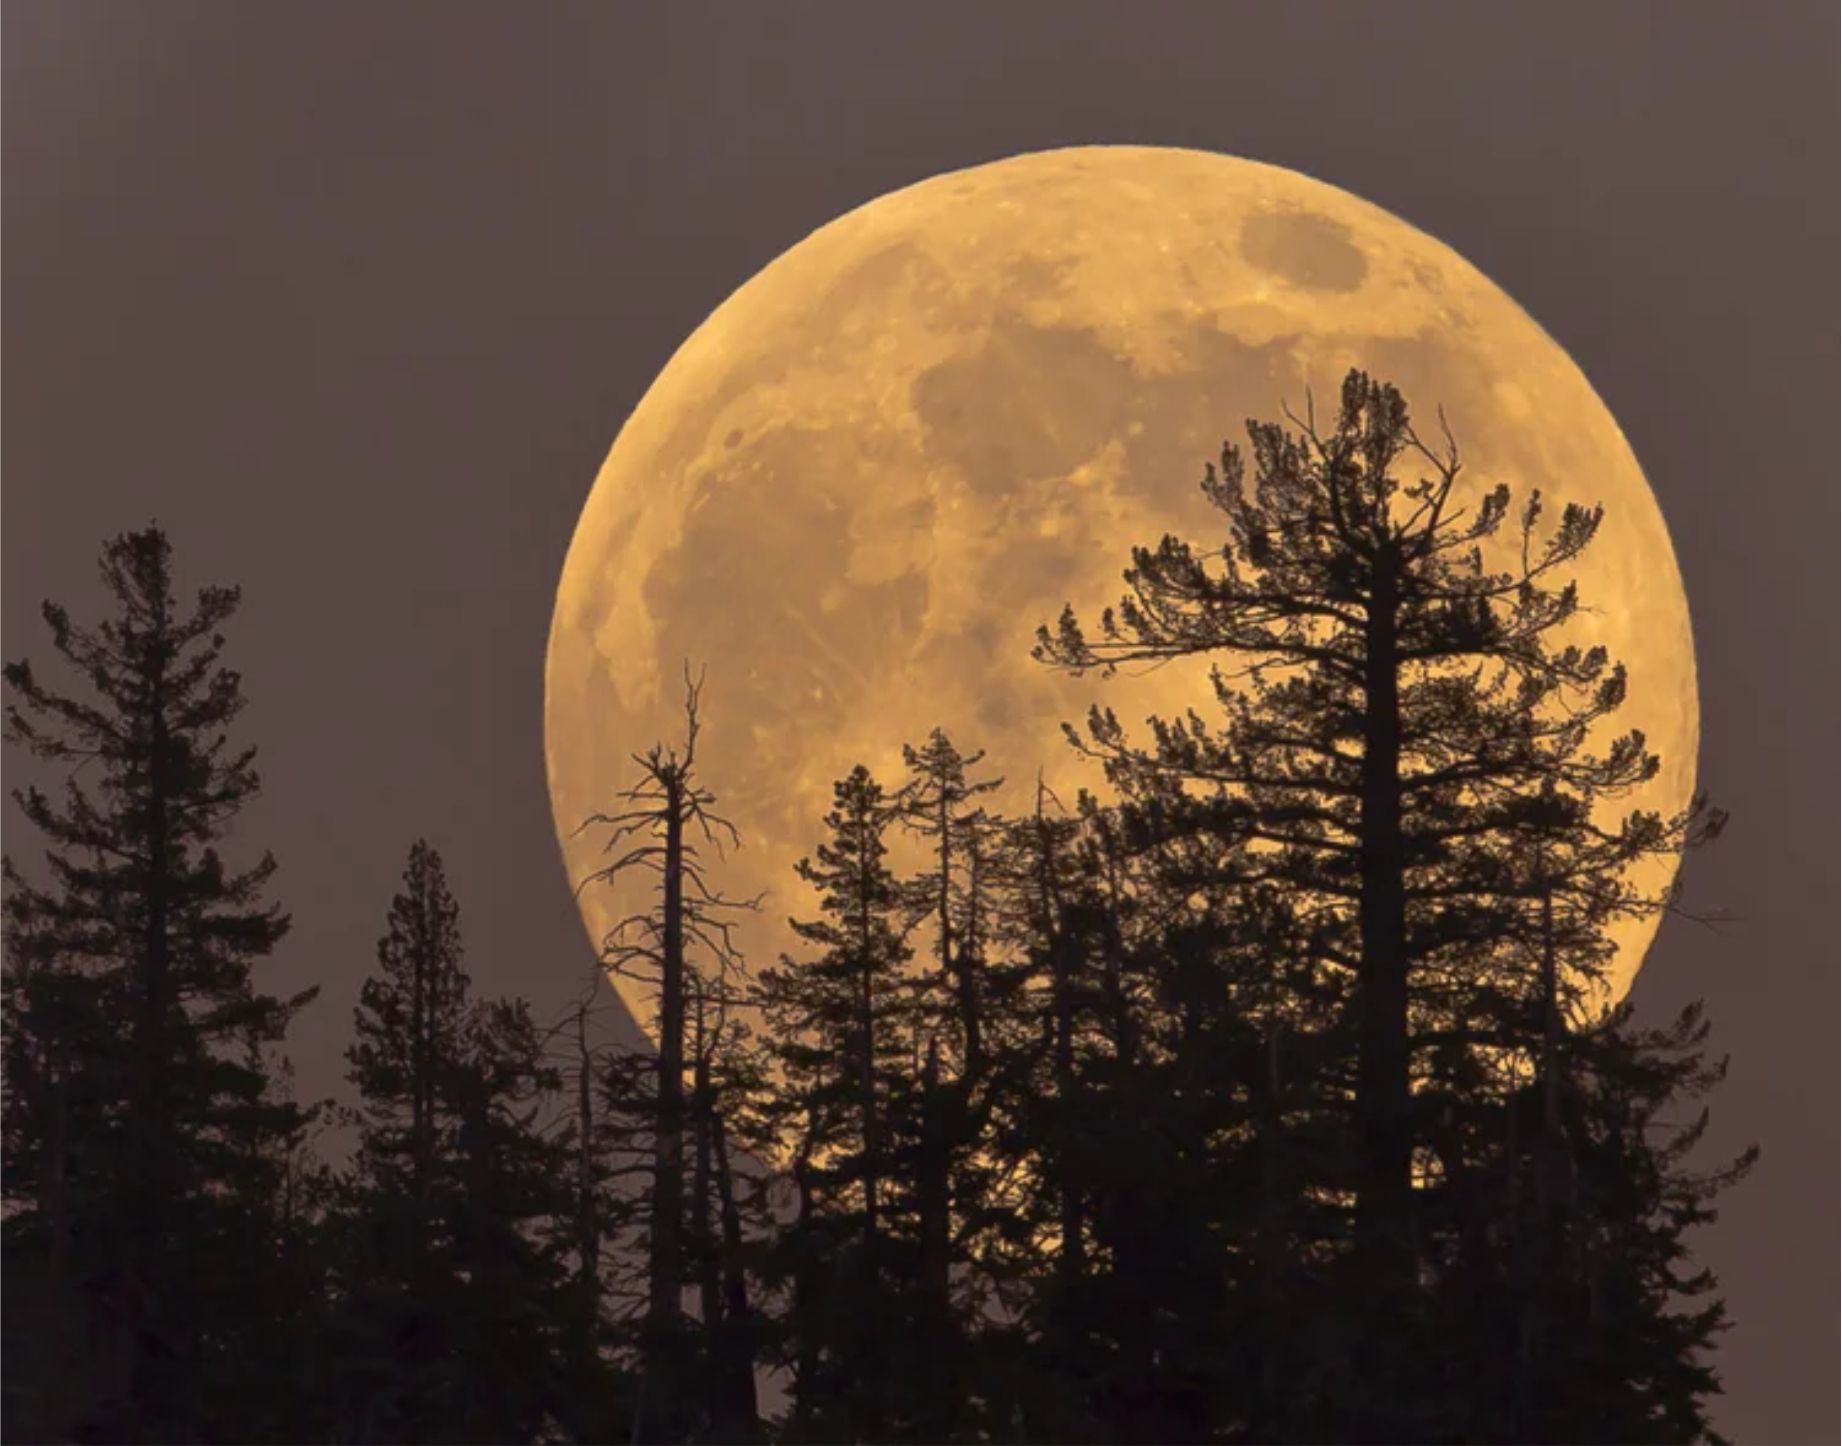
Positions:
{"x": 860, "y": 485}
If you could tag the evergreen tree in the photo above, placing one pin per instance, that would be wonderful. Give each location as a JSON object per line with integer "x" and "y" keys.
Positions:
{"x": 1151, "y": 1120}
{"x": 1403, "y": 704}
{"x": 936, "y": 804}
{"x": 400, "y": 1223}
{"x": 967, "y": 1012}
{"x": 1565, "y": 1288}
{"x": 841, "y": 1031}
{"x": 451, "y": 1278}
{"x": 597, "y": 1401}
{"x": 410, "y": 1042}
{"x": 144, "y": 1127}
{"x": 511, "y": 1352}
{"x": 726, "y": 1085}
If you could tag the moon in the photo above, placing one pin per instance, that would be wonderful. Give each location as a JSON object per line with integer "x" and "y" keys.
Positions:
{"x": 856, "y": 489}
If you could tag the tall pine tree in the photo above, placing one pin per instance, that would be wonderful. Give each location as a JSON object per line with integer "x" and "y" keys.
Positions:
{"x": 841, "y": 1026}
{"x": 451, "y": 1278}
{"x": 399, "y": 1226}
{"x": 1400, "y": 703}
{"x": 145, "y": 1130}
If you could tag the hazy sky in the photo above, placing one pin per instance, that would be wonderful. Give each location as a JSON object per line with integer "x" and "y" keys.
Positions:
{"x": 353, "y": 300}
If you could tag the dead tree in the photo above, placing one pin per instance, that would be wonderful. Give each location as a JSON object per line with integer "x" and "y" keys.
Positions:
{"x": 658, "y": 828}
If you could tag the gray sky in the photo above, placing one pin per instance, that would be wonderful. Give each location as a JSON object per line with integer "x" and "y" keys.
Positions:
{"x": 353, "y": 299}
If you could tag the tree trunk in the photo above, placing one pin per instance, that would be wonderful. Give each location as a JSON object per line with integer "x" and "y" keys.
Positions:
{"x": 1071, "y": 1259}
{"x": 150, "y": 1153}
{"x": 1267, "y": 1409}
{"x": 742, "y": 1420}
{"x": 58, "y": 1388}
{"x": 422, "y": 1012}
{"x": 664, "y": 1307}
{"x": 1384, "y": 1197}
{"x": 1537, "y": 1257}
{"x": 1384, "y": 1201}
{"x": 936, "y": 1303}
{"x": 1548, "y": 1186}
{"x": 806, "y": 1286}
{"x": 703, "y": 1232}
{"x": 866, "y": 1028}
{"x": 966, "y": 979}
{"x": 588, "y": 1215}
{"x": 1123, "y": 1028}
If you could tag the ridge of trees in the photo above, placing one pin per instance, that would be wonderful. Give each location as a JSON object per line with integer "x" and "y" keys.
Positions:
{"x": 1271, "y": 1099}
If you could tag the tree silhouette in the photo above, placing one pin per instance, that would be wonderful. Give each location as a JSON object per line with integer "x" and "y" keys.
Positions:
{"x": 513, "y": 1351}
{"x": 662, "y": 821}
{"x": 1404, "y": 714}
{"x": 935, "y": 804}
{"x": 145, "y": 1128}
{"x": 410, "y": 1040}
{"x": 451, "y": 1280}
{"x": 402, "y": 1220}
{"x": 1273, "y": 1099}
{"x": 841, "y": 1031}
{"x": 599, "y": 1141}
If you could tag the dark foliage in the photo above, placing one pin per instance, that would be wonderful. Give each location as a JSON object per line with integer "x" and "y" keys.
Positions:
{"x": 448, "y": 1295}
{"x": 1274, "y": 1099}
{"x": 152, "y": 1280}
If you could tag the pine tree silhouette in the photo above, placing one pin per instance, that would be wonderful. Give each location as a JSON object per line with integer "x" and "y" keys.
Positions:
{"x": 1404, "y": 703}
{"x": 841, "y": 1030}
{"x": 145, "y": 1126}
{"x": 450, "y": 1295}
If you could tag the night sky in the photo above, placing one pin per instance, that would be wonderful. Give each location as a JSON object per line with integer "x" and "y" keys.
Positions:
{"x": 354, "y": 299}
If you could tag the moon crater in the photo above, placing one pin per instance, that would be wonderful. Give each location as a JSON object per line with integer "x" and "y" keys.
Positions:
{"x": 1307, "y": 250}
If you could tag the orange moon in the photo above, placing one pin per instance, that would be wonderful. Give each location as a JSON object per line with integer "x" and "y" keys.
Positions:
{"x": 858, "y": 487}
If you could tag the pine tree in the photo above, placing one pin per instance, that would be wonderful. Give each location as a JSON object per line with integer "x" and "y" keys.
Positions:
{"x": 1155, "y": 1317}
{"x": 621, "y": 1165}
{"x": 727, "y": 1082}
{"x": 509, "y": 1363}
{"x": 401, "y": 1223}
{"x": 1401, "y": 703}
{"x": 841, "y": 1032}
{"x": 936, "y": 804}
{"x": 410, "y": 1040}
{"x": 144, "y": 1125}
{"x": 597, "y": 1401}
{"x": 453, "y": 1282}
{"x": 968, "y": 1008}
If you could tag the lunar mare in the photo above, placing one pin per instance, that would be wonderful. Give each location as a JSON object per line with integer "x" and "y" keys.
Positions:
{"x": 858, "y": 487}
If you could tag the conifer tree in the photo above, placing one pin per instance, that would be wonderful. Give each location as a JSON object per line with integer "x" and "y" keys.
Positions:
{"x": 144, "y": 1123}
{"x": 451, "y": 1273}
{"x": 1046, "y": 1109}
{"x": 727, "y": 1082}
{"x": 600, "y": 1144}
{"x": 1403, "y": 701}
{"x": 968, "y": 1013}
{"x": 511, "y": 1350}
{"x": 401, "y": 1222}
{"x": 936, "y": 804}
{"x": 410, "y": 1041}
{"x": 841, "y": 1032}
